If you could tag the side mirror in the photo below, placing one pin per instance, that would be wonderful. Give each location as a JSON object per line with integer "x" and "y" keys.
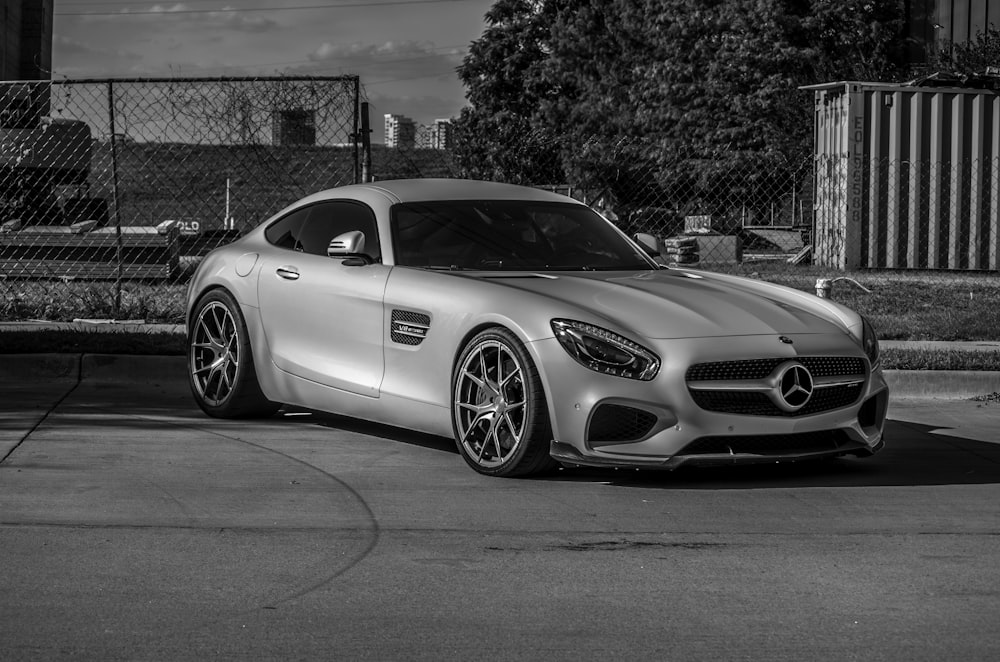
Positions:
{"x": 648, "y": 243}
{"x": 350, "y": 245}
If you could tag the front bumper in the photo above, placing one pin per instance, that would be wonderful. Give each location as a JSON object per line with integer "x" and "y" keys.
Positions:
{"x": 677, "y": 432}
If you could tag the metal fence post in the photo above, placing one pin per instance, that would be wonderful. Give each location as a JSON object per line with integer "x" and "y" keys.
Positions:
{"x": 119, "y": 250}
{"x": 357, "y": 100}
{"x": 366, "y": 144}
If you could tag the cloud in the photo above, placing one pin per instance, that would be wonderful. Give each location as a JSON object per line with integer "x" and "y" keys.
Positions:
{"x": 71, "y": 47}
{"x": 242, "y": 22}
{"x": 155, "y": 9}
{"x": 97, "y": 58}
{"x": 166, "y": 10}
{"x": 389, "y": 51}
{"x": 391, "y": 60}
{"x": 179, "y": 14}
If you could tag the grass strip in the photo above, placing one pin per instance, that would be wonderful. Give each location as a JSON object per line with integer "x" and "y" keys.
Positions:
{"x": 939, "y": 359}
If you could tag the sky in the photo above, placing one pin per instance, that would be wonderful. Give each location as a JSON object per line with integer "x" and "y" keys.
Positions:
{"x": 405, "y": 51}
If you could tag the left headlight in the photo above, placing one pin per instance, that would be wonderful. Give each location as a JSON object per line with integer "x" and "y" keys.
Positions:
{"x": 869, "y": 341}
{"x": 605, "y": 351}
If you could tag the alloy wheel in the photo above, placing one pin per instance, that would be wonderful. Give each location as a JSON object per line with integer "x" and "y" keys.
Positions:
{"x": 215, "y": 353}
{"x": 490, "y": 404}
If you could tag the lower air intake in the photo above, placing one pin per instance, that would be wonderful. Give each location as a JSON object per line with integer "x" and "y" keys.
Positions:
{"x": 618, "y": 423}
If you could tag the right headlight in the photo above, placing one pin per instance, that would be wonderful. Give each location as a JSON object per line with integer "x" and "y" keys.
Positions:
{"x": 869, "y": 342}
{"x": 605, "y": 351}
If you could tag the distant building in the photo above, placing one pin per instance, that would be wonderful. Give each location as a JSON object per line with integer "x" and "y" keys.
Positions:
{"x": 441, "y": 135}
{"x": 26, "y": 47}
{"x": 400, "y": 131}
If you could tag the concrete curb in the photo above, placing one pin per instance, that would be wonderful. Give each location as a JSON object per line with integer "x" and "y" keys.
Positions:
{"x": 104, "y": 368}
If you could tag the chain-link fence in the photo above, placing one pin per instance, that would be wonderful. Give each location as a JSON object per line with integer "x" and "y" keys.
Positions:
{"x": 111, "y": 189}
{"x": 92, "y": 171}
{"x": 731, "y": 216}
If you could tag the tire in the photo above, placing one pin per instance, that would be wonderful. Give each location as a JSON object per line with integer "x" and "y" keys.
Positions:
{"x": 499, "y": 415}
{"x": 221, "y": 371}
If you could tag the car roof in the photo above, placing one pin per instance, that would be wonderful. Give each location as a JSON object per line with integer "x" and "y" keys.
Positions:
{"x": 422, "y": 190}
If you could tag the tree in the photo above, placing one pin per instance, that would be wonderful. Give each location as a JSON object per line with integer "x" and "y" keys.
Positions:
{"x": 971, "y": 57}
{"x": 497, "y": 136}
{"x": 665, "y": 99}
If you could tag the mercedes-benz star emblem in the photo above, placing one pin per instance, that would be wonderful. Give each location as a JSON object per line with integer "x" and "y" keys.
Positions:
{"x": 794, "y": 386}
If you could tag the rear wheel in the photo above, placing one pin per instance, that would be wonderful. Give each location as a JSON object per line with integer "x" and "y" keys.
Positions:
{"x": 220, "y": 362}
{"x": 499, "y": 414}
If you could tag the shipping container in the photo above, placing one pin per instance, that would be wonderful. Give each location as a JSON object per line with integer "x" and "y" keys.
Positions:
{"x": 906, "y": 177}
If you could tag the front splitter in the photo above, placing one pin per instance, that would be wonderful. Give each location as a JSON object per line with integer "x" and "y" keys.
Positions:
{"x": 567, "y": 454}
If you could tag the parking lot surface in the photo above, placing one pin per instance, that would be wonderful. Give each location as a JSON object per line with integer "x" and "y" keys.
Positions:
{"x": 133, "y": 527}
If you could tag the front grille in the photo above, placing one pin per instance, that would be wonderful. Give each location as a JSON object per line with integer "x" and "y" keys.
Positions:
{"x": 402, "y": 320}
{"x": 818, "y": 366}
{"x": 768, "y": 444}
{"x": 750, "y": 403}
{"x": 619, "y": 423}
{"x": 756, "y": 403}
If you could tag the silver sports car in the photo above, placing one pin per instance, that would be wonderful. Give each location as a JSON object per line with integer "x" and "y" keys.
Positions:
{"x": 530, "y": 329}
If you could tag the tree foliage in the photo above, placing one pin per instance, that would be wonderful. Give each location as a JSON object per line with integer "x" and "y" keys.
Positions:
{"x": 497, "y": 136}
{"x": 971, "y": 57}
{"x": 658, "y": 93}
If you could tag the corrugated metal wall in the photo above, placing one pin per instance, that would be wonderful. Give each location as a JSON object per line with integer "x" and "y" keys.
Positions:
{"x": 961, "y": 20}
{"x": 10, "y": 46}
{"x": 907, "y": 177}
{"x": 933, "y": 24}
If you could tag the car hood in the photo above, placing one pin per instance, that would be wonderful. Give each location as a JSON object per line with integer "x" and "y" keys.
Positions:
{"x": 682, "y": 304}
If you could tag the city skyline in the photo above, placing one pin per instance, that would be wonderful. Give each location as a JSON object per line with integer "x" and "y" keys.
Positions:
{"x": 402, "y": 131}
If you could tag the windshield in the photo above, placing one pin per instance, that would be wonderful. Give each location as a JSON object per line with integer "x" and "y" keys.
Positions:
{"x": 493, "y": 235}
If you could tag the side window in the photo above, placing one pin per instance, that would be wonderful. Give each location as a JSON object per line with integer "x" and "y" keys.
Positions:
{"x": 330, "y": 219}
{"x": 285, "y": 232}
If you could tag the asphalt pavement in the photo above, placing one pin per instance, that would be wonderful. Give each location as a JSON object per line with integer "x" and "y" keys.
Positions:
{"x": 134, "y": 527}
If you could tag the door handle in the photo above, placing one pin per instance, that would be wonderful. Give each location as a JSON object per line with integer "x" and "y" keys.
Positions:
{"x": 288, "y": 272}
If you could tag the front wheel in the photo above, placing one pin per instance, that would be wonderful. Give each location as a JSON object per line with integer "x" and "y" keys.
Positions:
{"x": 499, "y": 414}
{"x": 220, "y": 362}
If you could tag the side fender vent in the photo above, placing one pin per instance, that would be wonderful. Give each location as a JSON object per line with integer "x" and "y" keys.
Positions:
{"x": 408, "y": 327}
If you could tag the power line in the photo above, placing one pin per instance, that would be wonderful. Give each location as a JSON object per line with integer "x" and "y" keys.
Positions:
{"x": 347, "y": 5}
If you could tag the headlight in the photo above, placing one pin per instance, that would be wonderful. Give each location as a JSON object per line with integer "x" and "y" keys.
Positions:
{"x": 869, "y": 341}
{"x": 604, "y": 351}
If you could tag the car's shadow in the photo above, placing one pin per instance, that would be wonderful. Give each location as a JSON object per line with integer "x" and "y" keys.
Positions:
{"x": 379, "y": 430}
{"x": 913, "y": 456}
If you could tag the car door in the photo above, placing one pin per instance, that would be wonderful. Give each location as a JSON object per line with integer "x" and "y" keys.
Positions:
{"x": 322, "y": 318}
